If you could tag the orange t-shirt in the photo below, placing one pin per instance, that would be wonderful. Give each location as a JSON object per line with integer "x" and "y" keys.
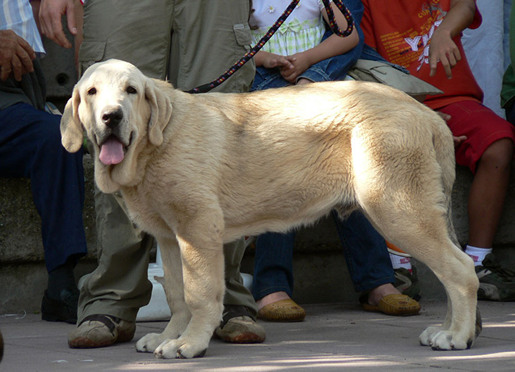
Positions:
{"x": 400, "y": 30}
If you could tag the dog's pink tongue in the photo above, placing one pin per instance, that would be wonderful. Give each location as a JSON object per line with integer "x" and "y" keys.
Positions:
{"x": 111, "y": 152}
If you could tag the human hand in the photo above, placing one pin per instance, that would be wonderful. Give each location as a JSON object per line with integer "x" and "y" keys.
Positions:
{"x": 50, "y": 13}
{"x": 458, "y": 140}
{"x": 271, "y": 60}
{"x": 444, "y": 116}
{"x": 444, "y": 50}
{"x": 299, "y": 63}
{"x": 16, "y": 56}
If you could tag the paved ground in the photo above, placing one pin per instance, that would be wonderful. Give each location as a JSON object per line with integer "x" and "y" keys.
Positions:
{"x": 333, "y": 337}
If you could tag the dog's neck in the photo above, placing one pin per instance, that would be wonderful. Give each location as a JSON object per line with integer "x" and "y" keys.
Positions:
{"x": 128, "y": 174}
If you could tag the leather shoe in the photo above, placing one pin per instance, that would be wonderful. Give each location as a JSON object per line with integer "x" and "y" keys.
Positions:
{"x": 101, "y": 330}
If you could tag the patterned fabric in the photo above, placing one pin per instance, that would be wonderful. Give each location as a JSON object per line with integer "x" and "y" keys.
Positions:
{"x": 302, "y": 30}
{"x": 17, "y": 15}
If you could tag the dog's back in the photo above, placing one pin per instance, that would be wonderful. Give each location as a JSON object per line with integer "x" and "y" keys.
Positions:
{"x": 297, "y": 153}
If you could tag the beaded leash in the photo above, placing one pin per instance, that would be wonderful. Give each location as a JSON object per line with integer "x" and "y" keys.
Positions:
{"x": 332, "y": 24}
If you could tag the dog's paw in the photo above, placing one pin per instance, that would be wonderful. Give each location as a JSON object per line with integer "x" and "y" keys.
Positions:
{"x": 150, "y": 342}
{"x": 179, "y": 349}
{"x": 440, "y": 339}
{"x": 426, "y": 336}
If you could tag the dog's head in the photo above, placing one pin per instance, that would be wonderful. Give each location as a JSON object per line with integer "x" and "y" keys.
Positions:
{"x": 122, "y": 112}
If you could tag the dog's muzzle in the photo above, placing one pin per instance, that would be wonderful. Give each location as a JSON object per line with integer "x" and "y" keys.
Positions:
{"x": 112, "y": 118}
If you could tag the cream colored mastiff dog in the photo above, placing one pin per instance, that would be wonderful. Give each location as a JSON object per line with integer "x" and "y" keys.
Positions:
{"x": 199, "y": 170}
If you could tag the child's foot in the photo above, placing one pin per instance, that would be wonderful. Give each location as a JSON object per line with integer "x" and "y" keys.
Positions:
{"x": 388, "y": 300}
{"x": 271, "y": 298}
{"x": 279, "y": 307}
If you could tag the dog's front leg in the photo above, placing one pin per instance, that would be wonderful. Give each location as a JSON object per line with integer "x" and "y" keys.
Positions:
{"x": 173, "y": 285}
{"x": 203, "y": 275}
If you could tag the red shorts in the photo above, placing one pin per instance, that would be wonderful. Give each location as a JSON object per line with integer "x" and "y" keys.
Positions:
{"x": 482, "y": 127}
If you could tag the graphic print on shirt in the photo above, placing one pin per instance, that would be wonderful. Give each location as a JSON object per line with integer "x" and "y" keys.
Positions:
{"x": 406, "y": 47}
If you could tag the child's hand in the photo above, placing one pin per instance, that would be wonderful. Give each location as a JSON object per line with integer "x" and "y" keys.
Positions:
{"x": 458, "y": 140}
{"x": 271, "y": 60}
{"x": 443, "y": 49}
{"x": 299, "y": 63}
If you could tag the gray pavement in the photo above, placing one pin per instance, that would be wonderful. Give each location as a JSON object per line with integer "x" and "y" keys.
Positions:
{"x": 333, "y": 337}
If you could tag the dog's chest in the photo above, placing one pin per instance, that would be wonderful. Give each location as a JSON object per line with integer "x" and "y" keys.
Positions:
{"x": 147, "y": 212}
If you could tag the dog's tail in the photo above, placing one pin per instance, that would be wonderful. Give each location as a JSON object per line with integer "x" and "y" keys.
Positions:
{"x": 444, "y": 149}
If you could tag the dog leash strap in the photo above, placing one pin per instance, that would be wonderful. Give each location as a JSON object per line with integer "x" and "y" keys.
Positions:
{"x": 332, "y": 23}
{"x": 251, "y": 53}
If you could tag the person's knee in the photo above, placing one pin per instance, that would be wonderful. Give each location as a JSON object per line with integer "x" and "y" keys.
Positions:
{"x": 499, "y": 154}
{"x": 49, "y": 130}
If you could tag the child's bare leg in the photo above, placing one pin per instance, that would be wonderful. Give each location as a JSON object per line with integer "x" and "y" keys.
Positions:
{"x": 487, "y": 193}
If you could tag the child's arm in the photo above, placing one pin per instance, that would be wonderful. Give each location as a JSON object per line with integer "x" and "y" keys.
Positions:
{"x": 330, "y": 47}
{"x": 442, "y": 48}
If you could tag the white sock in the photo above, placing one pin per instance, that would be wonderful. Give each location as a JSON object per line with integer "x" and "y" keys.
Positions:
{"x": 477, "y": 254}
{"x": 400, "y": 262}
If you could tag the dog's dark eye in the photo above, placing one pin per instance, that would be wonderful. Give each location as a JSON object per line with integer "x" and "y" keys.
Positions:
{"x": 131, "y": 90}
{"x": 92, "y": 91}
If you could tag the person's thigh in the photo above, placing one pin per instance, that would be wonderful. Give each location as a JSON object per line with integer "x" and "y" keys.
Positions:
{"x": 135, "y": 31}
{"x": 266, "y": 78}
{"x": 336, "y": 67}
{"x": 23, "y": 131}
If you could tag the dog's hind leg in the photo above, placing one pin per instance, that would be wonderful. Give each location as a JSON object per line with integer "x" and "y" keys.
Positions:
{"x": 422, "y": 232}
{"x": 426, "y": 239}
{"x": 174, "y": 290}
{"x": 405, "y": 192}
{"x": 456, "y": 272}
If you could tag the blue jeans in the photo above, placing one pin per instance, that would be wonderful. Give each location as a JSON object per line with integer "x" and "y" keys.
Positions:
{"x": 30, "y": 147}
{"x": 365, "y": 252}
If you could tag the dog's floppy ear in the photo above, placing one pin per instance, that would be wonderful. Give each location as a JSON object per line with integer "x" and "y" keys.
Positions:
{"x": 72, "y": 134}
{"x": 160, "y": 109}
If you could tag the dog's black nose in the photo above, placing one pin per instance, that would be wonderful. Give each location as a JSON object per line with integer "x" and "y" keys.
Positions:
{"x": 112, "y": 118}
